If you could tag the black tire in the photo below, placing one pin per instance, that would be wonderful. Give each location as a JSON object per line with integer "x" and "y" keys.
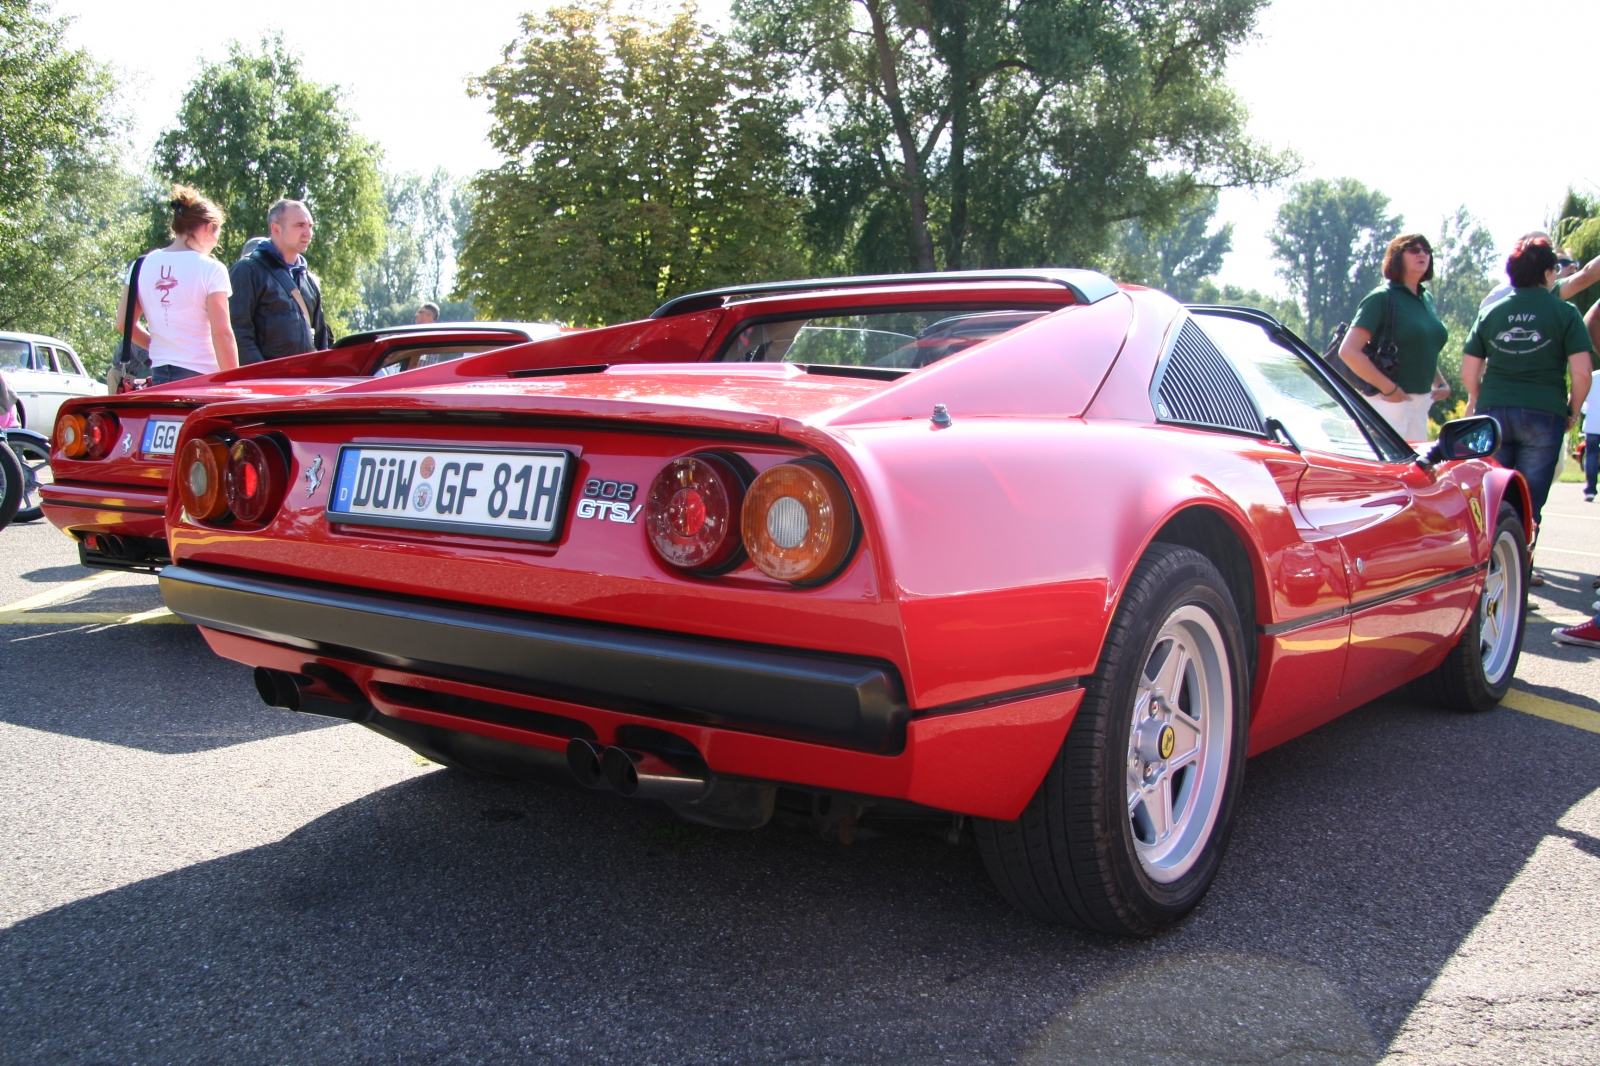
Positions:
{"x": 35, "y": 461}
{"x": 1471, "y": 679}
{"x": 1071, "y": 857}
{"x": 11, "y": 483}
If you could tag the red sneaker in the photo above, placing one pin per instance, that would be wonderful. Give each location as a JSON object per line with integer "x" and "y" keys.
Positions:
{"x": 1586, "y": 635}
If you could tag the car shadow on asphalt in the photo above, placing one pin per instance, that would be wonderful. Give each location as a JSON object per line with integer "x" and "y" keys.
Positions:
{"x": 157, "y": 688}
{"x": 453, "y": 919}
{"x": 54, "y": 575}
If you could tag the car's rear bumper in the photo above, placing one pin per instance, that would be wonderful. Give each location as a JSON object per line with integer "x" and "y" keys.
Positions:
{"x": 819, "y": 721}
{"x": 125, "y": 510}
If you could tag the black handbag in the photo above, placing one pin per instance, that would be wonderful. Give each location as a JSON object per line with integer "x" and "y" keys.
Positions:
{"x": 1382, "y": 349}
{"x": 132, "y": 361}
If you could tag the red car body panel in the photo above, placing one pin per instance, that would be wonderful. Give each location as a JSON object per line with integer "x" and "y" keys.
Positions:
{"x": 993, "y": 550}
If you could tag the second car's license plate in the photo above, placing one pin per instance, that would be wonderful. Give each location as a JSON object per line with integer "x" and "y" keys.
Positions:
{"x": 160, "y": 436}
{"x": 519, "y": 494}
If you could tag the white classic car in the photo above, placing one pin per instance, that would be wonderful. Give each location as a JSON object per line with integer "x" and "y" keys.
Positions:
{"x": 43, "y": 372}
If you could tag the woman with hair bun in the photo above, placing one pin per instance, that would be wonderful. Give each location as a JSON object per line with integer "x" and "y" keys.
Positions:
{"x": 183, "y": 296}
{"x": 1515, "y": 364}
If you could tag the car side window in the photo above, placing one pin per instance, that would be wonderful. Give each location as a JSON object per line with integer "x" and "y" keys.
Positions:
{"x": 46, "y": 358}
{"x": 70, "y": 363}
{"x": 1287, "y": 389}
{"x": 15, "y": 355}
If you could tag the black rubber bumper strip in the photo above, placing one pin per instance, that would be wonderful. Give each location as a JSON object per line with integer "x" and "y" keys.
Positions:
{"x": 829, "y": 700}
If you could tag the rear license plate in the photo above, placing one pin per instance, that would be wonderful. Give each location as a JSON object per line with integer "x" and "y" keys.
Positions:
{"x": 160, "y": 436}
{"x": 519, "y": 494}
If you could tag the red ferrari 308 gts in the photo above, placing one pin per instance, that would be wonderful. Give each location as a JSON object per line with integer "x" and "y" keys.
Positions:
{"x": 111, "y": 456}
{"x": 1022, "y": 552}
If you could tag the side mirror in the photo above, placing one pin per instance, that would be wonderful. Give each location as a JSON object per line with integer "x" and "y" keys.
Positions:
{"x": 1466, "y": 438}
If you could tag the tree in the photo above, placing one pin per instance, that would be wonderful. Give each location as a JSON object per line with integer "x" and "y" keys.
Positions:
{"x": 418, "y": 260}
{"x": 1330, "y": 237}
{"x": 65, "y": 227}
{"x": 1285, "y": 311}
{"x": 1177, "y": 259}
{"x": 981, "y": 133}
{"x": 642, "y": 160}
{"x": 1464, "y": 268}
{"x": 252, "y": 130}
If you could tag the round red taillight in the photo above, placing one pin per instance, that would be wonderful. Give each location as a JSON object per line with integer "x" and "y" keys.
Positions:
{"x": 255, "y": 478}
{"x": 100, "y": 434}
{"x": 798, "y": 523}
{"x": 201, "y": 466}
{"x": 692, "y": 512}
{"x": 70, "y": 436}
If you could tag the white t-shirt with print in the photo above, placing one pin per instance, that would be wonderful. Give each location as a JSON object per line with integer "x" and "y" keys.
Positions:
{"x": 173, "y": 287}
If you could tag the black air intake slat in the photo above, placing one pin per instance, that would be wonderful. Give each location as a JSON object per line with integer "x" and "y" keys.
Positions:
{"x": 1198, "y": 386}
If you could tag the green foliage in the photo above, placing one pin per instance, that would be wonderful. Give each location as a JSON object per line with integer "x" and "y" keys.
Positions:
{"x": 65, "y": 227}
{"x": 986, "y": 133}
{"x": 1285, "y": 311}
{"x": 417, "y": 263}
{"x": 251, "y": 130}
{"x": 1575, "y": 209}
{"x": 1330, "y": 237}
{"x": 1464, "y": 265}
{"x": 1177, "y": 260}
{"x": 642, "y": 160}
{"x": 1584, "y": 241}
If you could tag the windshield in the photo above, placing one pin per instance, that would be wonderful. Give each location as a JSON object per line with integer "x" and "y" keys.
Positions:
{"x": 906, "y": 339}
{"x": 14, "y": 355}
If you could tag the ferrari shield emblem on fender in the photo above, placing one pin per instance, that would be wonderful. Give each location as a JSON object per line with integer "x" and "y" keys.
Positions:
{"x": 1477, "y": 512}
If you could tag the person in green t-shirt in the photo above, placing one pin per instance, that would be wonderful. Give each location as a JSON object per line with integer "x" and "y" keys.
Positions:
{"x": 1515, "y": 364}
{"x": 1404, "y": 399}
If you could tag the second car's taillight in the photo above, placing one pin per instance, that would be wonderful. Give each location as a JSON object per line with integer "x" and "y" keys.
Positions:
{"x": 200, "y": 475}
{"x": 255, "y": 478}
{"x": 798, "y": 523}
{"x": 692, "y": 512}
{"x": 100, "y": 434}
{"x": 70, "y": 436}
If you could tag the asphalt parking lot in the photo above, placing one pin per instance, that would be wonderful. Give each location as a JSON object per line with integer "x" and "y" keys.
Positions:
{"x": 189, "y": 877}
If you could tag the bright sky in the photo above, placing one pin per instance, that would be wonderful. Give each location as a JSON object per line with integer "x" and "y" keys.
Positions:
{"x": 1324, "y": 79}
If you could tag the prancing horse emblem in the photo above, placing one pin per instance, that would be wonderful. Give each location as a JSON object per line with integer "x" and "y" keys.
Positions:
{"x": 314, "y": 476}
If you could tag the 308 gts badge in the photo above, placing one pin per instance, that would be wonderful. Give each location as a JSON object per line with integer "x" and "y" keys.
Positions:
{"x": 609, "y": 501}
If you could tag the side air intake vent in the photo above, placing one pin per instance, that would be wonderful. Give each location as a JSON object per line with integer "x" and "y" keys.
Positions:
{"x": 1198, "y": 387}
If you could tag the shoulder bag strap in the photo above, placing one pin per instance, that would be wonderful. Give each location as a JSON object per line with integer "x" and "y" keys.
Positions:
{"x": 125, "y": 351}
{"x": 286, "y": 280}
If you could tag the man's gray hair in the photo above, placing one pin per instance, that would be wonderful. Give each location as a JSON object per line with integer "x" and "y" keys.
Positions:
{"x": 275, "y": 213}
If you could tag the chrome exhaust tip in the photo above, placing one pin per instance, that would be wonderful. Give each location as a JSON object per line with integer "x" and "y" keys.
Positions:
{"x": 641, "y": 775}
{"x": 583, "y": 759}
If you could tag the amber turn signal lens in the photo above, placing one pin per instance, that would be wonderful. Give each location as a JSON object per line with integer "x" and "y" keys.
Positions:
{"x": 692, "y": 512}
{"x": 798, "y": 524}
{"x": 255, "y": 478}
{"x": 200, "y": 471}
{"x": 100, "y": 434}
{"x": 70, "y": 436}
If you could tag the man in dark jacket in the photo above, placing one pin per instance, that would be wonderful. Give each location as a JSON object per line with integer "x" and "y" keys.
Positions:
{"x": 276, "y": 304}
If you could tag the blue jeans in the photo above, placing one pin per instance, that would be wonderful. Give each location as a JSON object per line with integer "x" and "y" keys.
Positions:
{"x": 165, "y": 373}
{"x": 1531, "y": 443}
{"x": 1591, "y": 461}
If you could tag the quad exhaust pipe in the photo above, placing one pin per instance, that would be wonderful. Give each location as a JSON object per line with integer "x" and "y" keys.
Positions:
{"x": 638, "y": 774}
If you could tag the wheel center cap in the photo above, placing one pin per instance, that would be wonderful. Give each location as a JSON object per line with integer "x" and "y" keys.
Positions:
{"x": 1157, "y": 740}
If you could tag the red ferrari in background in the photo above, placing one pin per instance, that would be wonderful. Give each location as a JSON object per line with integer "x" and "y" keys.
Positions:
{"x": 1027, "y": 552}
{"x": 111, "y": 456}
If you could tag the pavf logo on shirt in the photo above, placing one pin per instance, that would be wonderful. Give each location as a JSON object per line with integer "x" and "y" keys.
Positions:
{"x": 1520, "y": 341}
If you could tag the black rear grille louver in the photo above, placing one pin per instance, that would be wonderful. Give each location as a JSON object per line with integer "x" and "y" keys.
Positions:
{"x": 1198, "y": 387}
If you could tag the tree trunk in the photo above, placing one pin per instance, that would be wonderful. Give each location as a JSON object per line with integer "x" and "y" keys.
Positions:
{"x": 915, "y": 182}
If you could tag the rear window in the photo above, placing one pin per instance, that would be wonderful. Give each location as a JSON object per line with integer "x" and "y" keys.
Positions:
{"x": 904, "y": 339}
{"x": 427, "y": 355}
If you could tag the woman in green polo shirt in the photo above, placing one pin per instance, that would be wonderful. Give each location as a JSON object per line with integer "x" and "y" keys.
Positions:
{"x": 1515, "y": 364}
{"x": 1404, "y": 399}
